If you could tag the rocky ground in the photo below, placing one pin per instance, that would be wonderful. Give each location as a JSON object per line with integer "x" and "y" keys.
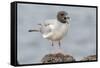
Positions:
{"x": 59, "y": 57}
{"x": 89, "y": 58}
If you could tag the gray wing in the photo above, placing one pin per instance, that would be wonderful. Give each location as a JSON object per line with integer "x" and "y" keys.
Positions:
{"x": 45, "y": 29}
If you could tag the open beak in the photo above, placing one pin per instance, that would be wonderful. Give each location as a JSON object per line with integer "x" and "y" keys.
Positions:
{"x": 67, "y": 17}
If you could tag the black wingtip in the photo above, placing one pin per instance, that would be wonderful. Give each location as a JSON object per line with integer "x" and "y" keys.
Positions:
{"x": 33, "y": 30}
{"x": 30, "y": 30}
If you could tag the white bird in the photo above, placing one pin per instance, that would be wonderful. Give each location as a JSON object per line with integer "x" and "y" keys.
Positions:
{"x": 55, "y": 29}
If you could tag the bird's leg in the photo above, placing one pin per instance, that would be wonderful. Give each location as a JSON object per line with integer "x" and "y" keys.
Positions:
{"x": 59, "y": 44}
{"x": 52, "y": 43}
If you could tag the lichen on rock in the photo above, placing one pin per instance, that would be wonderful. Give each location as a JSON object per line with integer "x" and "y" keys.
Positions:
{"x": 89, "y": 58}
{"x": 58, "y": 57}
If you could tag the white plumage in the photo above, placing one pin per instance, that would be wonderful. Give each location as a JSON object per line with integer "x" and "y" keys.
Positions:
{"x": 55, "y": 29}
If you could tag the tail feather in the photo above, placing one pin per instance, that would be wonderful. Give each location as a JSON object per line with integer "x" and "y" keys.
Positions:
{"x": 33, "y": 30}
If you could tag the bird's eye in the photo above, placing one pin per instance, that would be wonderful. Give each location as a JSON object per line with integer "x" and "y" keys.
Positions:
{"x": 62, "y": 14}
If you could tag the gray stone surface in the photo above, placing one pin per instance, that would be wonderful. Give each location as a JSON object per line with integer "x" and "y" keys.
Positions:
{"x": 58, "y": 57}
{"x": 89, "y": 58}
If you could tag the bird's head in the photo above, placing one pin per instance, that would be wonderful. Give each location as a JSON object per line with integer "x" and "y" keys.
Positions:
{"x": 62, "y": 16}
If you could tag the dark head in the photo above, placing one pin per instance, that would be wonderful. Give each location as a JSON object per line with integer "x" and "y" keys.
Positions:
{"x": 62, "y": 16}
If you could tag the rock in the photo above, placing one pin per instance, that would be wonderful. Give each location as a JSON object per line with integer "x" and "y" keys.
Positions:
{"x": 58, "y": 57}
{"x": 89, "y": 58}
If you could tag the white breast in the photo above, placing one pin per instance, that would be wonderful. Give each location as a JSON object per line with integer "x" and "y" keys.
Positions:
{"x": 59, "y": 30}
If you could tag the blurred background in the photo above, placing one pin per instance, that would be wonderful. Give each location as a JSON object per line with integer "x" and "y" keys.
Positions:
{"x": 79, "y": 42}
